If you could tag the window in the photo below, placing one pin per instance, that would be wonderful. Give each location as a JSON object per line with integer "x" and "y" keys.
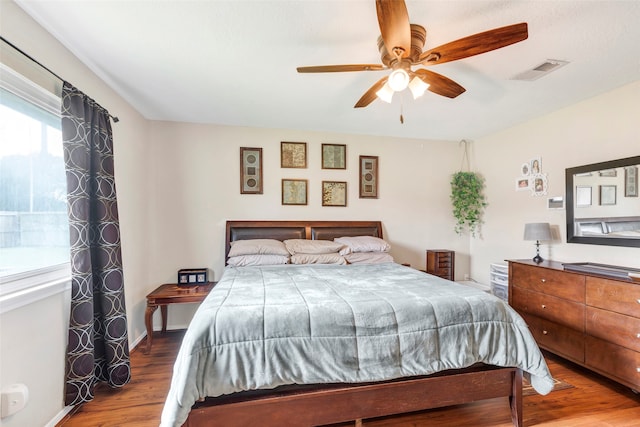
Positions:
{"x": 34, "y": 228}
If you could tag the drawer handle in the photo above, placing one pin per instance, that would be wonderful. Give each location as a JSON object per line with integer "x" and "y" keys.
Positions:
{"x": 545, "y": 332}
{"x": 544, "y": 306}
{"x": 543, "y": 280}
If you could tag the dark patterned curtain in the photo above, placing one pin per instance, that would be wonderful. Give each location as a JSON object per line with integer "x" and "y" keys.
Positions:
{"x": 98, "y": 348}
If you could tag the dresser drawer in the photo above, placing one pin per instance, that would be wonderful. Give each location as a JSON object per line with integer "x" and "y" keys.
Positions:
{"x": 441, "y": 262}
{"x": 548, "y": 307}
{"x": 552, "y": 282}
{"x": 556, "y": 338}
{"x": 614, "y": 296}
{"x": 601, "y": 323}
{"x": 614, "y": 361}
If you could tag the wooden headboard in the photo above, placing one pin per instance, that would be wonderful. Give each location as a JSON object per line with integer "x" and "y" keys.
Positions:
{"x": 311, "y": 230}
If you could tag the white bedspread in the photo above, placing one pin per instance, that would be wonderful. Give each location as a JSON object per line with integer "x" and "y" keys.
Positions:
{"x": 262, "y": 327}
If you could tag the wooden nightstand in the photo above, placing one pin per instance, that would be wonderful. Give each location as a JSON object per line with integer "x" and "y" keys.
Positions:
{"x": 171, "y": 293}
{"x": 441, "y": 262}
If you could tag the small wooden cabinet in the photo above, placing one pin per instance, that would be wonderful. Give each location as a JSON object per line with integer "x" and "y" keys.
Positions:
{"x": 590, "y": 320}
{"x": 441, "y": 262}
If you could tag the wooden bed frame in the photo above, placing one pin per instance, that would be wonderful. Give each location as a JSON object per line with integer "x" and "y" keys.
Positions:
{"x": 315, "y": 405}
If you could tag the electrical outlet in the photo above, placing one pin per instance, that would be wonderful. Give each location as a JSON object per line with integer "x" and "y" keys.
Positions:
{"x": 13, "y": 399}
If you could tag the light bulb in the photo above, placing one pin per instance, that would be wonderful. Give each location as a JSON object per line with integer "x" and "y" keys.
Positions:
{"x": 398, "y": 80}
{"x": 385, "y": 93}
{"x": 417, "y": 87}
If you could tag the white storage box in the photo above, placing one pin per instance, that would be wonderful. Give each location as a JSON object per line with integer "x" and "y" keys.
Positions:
{"x": 499, "y": 274}
{"x": 501, "y": 291}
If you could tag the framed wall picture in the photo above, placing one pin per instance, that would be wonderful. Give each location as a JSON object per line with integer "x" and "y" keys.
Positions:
{"x": 293, "y": 155}
{"x": 523, "y": 183}
{"x": 607, "y": 195}
{"x": 334, "y": 156}
{"x": 334, "y": 193}
{"x": 536, "y": 166}
{"x": 608, "y": 173}
{"x": 538, "y": 184}
{"x": 631, "y": 181}
{"x": 250, "y": 170}
{"x": 294, "y": 191}
{"x": 368, "y": 177}
{"x": 583, "y": 196}
{"x": 556, "y": 202}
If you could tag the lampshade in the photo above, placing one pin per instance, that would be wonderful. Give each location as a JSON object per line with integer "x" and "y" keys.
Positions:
{"x": 385, "y": 93}
{"x": 417, "y": 87}
{"x": 398, "y": 80}
{"x": 537, "y": 231}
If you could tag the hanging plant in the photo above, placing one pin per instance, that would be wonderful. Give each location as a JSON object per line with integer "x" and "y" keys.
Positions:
{"x": 468, "y": 201}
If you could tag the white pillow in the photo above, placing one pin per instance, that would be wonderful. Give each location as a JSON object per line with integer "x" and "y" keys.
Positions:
{"x": 258, "y": 247}
{"x": 362, "y": 244}
{"x": 368, "y": 257}
{"x": 304, "y": 246}
{"x": 245, "y": 260}
{"x": 332, "y": 258}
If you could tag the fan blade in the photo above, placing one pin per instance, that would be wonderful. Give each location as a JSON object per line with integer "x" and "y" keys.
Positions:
{"x": 393, "y": 19}
{"x": 440, "y": 84}
{"x": 340, "y": 68}
{"x": 370, "y": 95}
{"x": 475, "y": 44}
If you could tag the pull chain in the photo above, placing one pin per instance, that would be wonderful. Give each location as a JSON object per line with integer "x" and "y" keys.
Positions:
{"x": 401, "y": 116}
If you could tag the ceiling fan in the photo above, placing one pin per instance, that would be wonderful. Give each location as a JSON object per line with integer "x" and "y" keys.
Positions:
{"x": 400, "y": 44}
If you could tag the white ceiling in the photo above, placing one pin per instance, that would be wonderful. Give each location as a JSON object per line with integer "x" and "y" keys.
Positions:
{"x": 234, "y": 62}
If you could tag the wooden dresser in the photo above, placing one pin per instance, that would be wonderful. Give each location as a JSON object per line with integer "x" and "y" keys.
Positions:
{"x": 441, "y": 262}
{"x": 587, "y": 319}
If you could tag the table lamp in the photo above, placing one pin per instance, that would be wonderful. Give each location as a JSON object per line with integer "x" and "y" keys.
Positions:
{"x": 537, "y": 231}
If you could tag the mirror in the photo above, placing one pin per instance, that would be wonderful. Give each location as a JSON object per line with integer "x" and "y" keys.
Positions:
{"x": 603, "y": 204}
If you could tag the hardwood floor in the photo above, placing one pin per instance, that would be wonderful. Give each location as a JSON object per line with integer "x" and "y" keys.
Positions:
{"x": 593, "y": 401}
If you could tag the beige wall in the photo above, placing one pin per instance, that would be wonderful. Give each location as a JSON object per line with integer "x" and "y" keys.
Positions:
{"x": 196, "y": 188}
{"x": 596, "y": 130}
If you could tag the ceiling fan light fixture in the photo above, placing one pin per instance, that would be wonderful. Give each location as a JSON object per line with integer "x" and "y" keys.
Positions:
{"x": 385, "y": 93}
{"x": 398, "y": 80}
{"x": 417, "y": 87}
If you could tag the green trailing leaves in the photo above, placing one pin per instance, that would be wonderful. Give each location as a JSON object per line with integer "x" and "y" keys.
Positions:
{"x": 468, "y": 201}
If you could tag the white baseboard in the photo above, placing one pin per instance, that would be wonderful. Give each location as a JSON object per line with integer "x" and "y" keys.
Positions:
{"x": 55, "y": 420}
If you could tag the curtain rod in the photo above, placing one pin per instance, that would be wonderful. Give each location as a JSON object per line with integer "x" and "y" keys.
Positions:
{"x": 114, "y": 118}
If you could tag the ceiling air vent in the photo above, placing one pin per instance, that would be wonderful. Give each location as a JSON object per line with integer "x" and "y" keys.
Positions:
{"x": 541, "y": 70}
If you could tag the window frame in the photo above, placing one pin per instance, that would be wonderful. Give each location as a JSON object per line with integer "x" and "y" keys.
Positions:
{"x": 19, "y": 289}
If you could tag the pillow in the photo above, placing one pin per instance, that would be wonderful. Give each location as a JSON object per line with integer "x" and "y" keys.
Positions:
{"x": 244, "y": 260}
{"x": 362, "y": 244}
{"x": 303, "y": 246}
{"x": 258, "y": 247}
{"x": 368, "y": 257}
{"x": 332, "y": 258}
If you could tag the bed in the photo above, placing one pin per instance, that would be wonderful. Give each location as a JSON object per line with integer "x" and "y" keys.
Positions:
{"x": 317, "y": 344}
